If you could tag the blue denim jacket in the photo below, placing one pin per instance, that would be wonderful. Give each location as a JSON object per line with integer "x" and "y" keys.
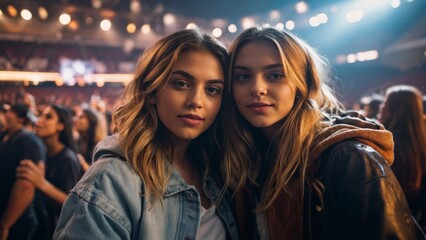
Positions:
{"x": 108, "y": 203}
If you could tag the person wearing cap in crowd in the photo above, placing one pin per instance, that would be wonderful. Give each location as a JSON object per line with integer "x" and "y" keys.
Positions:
{"x": 18, "y": 219}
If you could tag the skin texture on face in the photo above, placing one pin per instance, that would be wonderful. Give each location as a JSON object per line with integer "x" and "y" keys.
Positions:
{"x": 48, "y": 124}
{"x": 263, "y": 94}
{"x": 189, "y": 103}
{"x": 82, "y": 123}
{"x": 13, "y": 122}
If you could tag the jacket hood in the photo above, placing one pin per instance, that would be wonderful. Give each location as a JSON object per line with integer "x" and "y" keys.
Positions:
{"x": 353, "y": 125}
{"x": 109, "y": 146}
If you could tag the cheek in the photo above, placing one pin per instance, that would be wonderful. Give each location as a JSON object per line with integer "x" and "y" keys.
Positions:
{"x": 237, "y": 92}
{"x": 213, "y": 107}
{"x": 82, "y": 124}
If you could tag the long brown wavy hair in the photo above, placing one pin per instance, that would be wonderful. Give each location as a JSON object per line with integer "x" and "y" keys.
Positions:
{"x": 141, "y": 134}
{"x": 245, "y": 148}
{"x": 402, "y": 114}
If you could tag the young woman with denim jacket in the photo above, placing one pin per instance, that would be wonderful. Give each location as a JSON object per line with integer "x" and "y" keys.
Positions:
{"x": 154, "y": 178}
{"x": 298, "y": 170}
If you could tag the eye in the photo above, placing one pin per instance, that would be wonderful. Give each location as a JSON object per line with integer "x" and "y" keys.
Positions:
{"x": 214, "y": 90}
{"x": 241, "y": 77}
{"x": 274, "y": 76}
{"x": 181, "y": 84}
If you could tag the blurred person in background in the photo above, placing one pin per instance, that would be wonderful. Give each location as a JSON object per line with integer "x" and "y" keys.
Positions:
{"x": 62, "y": 169}
{"x": 29, "y": 100}
{"x": 3, "y": 110}
{"x": 100, "y": 105}
{"x": 18, "y": 219}
{"x": 92, "y": 128}
{"x": 424, "y": 109}
{"x": 402, "y": 114}
{"x": 371, "y": 105}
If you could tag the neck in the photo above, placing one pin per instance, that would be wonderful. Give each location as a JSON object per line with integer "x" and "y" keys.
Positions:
{"x": 54, "y": 146}
{"x": 271, "y": 131}
{"x": 180, "y": 158}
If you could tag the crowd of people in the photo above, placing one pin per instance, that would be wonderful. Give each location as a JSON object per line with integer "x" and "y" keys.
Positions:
{"x": 45, "y": 151}
{"x": 248, "y": 142}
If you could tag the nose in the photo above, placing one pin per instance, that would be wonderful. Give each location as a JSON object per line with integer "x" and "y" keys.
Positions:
{"x": 258, "y": 87}
{"x": 195, "y": 98}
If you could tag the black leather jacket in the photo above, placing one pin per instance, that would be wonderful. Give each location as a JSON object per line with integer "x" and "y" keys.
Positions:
{"x": 362, "y": 198}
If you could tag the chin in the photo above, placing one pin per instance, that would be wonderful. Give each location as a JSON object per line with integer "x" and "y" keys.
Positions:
{"x": 188, "y": 136}
{"x": 260, "y": 124}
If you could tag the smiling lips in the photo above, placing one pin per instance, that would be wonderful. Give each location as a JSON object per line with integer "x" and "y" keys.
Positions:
{"x": 191, "y": 119}
{"x": 259, "y": 107}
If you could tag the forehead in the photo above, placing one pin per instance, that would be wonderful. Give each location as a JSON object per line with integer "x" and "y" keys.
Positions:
{"x": 199, "y": 63}
{"x": 257, "y": 53}
{"x": 49, "y": 110}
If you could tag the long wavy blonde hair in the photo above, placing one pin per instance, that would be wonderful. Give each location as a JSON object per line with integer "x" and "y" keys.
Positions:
{"x": 290, "y": 147}
{"x": 141, "y": 134}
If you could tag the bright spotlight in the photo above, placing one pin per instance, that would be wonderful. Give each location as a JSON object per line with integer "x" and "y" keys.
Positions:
{"x": 146, "y": 28}
{"x": 232, "y": 28}
{"x": 361, "y": 57}
{"x": 42, "y": 13}
{"x": 100, "y": 83}
{"x": 131, "y": 28}
{"x": 247, "y": 22}
{"x": 274, "y": 14}
{"x": 395, "y": 3}
{"x": 191, "y": 26}
{"x": 105, "y": 25}
{"x": 64, "y": 19}
{"x": 169, "y": 19}
{"x": 301, "y": 7}
{"x": 26, "y": 14}
{"x": 354, "y": 16}
{"x": 313, "y": 21}
{"x": 217, "y": 32}
{"x": 371, "y": 55}
{"x": 322, "y": 18}
{"x": 280, "y": 26}
{"x": 12, "y": 11}
{"x": 290, "y": 25}
{"x": 73, "y": 25}
{"x": 351, "y": 58}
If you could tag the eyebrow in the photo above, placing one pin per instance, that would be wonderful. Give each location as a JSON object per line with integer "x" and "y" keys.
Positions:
{"x": 190, "y": 77}
{"x": 267, "y": 67}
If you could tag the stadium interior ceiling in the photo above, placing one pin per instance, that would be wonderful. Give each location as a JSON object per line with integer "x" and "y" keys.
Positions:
{"x": 379, "y": 35}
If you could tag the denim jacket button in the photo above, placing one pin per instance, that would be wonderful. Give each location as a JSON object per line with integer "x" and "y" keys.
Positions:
{"x": 189, "y": 194}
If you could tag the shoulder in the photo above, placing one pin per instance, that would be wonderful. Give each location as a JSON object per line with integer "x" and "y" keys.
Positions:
{"x": 68, "y": 155}
{"x": 353, "y": 161}
{"x": 111, "y": 187}
{"x": 108, "y": 176}
{"x": 105, "y": 202}
{"x": 27, "y": 136}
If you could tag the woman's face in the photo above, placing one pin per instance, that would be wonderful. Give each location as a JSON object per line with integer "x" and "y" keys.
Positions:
{"x": 189, "y": 103}
{"x": 48, "y": 124}
{"x": 82, "y": 122}
{"x": 263, "y": 94}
